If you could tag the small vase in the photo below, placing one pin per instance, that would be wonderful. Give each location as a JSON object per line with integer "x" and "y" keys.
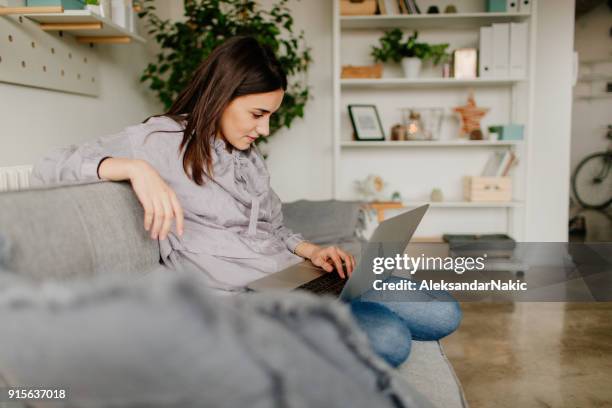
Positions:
{"x": 412, "y": 67}
{"x": 94, "y": 9}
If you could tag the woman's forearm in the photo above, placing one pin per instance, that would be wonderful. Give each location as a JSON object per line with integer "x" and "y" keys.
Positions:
{"x": 305, "y": 249}
{"x": 117, "y": 168}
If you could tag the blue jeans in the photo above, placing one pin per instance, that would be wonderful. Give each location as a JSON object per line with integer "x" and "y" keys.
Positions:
{"x": 391, "y": 325}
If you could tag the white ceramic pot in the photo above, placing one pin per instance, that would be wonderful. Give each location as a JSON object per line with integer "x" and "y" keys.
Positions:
{"x": 94, "y": 9}
{"x": 412, "y": 67}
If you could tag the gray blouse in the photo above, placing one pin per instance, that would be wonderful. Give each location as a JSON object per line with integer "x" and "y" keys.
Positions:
{"x": 233, "y": 230}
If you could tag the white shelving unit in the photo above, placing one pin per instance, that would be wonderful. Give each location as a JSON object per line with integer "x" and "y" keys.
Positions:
{"x": 415, "y": 167}
{"x": 428, "y": 143}
{"x": 426, "y": 21}
{"x": 95, "y": 28}
{"x": 427, "y": 82}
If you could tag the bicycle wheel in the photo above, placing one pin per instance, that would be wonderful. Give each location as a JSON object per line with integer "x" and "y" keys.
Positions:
{"x": 592, "y": 181}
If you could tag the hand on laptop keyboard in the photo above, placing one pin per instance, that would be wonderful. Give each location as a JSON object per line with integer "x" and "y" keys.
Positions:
{"x": 328, "y": 258}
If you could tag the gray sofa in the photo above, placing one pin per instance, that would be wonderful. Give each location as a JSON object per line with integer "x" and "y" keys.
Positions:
{"x": 83, "y": 230}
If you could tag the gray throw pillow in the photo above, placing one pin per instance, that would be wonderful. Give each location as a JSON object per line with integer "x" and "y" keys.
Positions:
{"x": 162, "y": 340}
{"x": 324, "y": 222}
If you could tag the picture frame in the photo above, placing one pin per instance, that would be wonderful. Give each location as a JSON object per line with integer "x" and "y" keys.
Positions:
{"x": 465, "y": 63}
{"x": 366, "y": 123}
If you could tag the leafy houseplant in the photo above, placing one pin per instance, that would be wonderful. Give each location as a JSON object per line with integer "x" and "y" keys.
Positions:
{"x": 208, "y": 23}
{"x": 410, "y": 53}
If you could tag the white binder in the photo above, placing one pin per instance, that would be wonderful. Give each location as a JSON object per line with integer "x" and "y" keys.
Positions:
{"x": 485, "y": 57}
{"x": 524, "y": 6}
{"x": 501, "y": 50}
{"x": 518, "y": 50}
{"x": 512, "y": 6}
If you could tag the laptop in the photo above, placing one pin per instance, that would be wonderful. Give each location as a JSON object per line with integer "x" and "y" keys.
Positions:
{"x": 390, "y": 238}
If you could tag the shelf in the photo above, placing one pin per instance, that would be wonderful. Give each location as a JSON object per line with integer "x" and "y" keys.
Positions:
{"x": 427, "y": 82}
{"x": 425, "y": 21}
{"x": 595, "y": 77}
{"x": 604, "y": 60}
{"x": 86, "y": 26}
{"x": 589, "y": 97}
{"x": 465, "y": 204}
{"x": 430, "y": 143}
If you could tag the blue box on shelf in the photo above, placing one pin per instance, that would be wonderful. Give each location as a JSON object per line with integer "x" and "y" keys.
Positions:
{"x": 512, "y": 132}
{"x": 67, "y": 4}
{"x": 496, "y": 6}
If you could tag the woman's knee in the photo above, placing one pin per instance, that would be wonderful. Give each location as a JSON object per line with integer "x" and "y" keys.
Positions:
{"x": 429, "y": 315}
{"x": 445, "y": 317}
{"x": 389, "y": 336}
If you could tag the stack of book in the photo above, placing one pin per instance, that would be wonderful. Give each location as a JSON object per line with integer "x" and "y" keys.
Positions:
{"x": 500, "y": 164}
{"x": 394, "y": 7}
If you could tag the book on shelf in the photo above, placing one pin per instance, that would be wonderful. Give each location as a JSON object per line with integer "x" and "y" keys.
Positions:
{"x": 524, "y": 6}
{"x": 512, "y": 6}
{"x": 409, "y": 7}
{"x": 518, "y": 50}
{"x": 485, "y": 54}
{"x": 388, "y": 7}
{"x": 500, "y": 164}
{"x": 503, "y": 51}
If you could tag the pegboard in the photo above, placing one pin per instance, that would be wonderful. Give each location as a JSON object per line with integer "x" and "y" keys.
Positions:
{"x": 52, "y": 60}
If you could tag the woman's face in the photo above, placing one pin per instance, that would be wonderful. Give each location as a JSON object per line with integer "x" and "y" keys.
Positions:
{"x": 248, "y": 117}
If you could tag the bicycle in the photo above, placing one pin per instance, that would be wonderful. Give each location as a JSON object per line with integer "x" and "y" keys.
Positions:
{"x": 592, "y": 179}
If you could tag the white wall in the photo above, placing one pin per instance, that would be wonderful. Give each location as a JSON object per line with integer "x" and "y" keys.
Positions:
{"x": 35, "y": 120}
{"x": 590, "y": 117}
{"x": 548, "y": 185}
{"x": 301, "y": 157}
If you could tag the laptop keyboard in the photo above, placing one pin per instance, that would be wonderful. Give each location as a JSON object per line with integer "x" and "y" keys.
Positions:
{"x": 328, "y": 283}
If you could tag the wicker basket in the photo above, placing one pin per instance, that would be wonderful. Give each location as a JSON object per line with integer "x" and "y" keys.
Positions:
{"x": 367, "y": 71}
{"x": 357, "y": 7}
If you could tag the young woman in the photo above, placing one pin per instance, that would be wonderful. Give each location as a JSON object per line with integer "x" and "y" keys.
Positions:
{"x": 202, "y": 183}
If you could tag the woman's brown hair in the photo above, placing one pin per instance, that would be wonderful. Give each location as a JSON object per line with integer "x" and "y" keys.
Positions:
{"x": 240, "y": 66}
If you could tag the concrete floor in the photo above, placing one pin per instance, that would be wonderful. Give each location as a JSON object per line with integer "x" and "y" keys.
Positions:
{"x": 541, "y": 354}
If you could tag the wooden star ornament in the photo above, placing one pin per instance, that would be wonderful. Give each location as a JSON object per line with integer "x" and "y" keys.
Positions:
{"x": 470, "y": 118}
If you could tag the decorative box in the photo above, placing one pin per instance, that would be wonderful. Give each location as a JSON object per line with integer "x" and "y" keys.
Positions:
{"x": 476, "y": 188}
{"x": 366, "y": 71}
{"x": 66, "y": 4}
{"x": 496, "y": 6}
{"x": 512, "y": 132}
{"x": 357, "y": 7}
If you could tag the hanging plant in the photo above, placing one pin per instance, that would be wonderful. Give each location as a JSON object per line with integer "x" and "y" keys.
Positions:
{"x": 208, "y": 23}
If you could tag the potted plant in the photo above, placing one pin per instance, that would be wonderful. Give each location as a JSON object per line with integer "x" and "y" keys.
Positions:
{"x": 93, "y": 6}
{"x": 186, "y": 43}
{"x": 410, "y": 53}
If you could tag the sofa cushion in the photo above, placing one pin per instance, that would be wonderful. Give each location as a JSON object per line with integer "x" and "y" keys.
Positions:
{"x": 76, "y": 230}
{"x": 324, "y": 222}
{"x": 5, "y": 250}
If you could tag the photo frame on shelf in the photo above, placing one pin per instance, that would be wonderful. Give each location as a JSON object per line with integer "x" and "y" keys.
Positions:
{"x": 366, "y": 123}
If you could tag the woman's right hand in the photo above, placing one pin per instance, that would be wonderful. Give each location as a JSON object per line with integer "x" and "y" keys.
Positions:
{"x": 159, "y": 201}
